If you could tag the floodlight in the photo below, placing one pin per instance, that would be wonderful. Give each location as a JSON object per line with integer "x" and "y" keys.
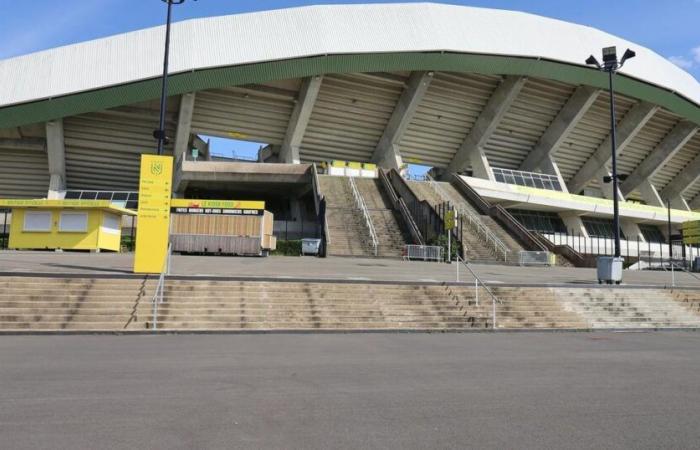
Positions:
{"x": 592, "y": 61}
{"x": 629, "y": 54}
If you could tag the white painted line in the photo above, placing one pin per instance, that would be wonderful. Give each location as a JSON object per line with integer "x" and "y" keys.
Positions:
{"x": 358, "y": 278}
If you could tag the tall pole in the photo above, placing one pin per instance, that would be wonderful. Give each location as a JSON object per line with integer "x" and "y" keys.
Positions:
{"x": 616, "y": 206}
{"x": 160, "y": 133}
{"x": 670, "y": 244}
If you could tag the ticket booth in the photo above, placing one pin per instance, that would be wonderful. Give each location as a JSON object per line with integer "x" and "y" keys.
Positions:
{"x": 65, "y": 224}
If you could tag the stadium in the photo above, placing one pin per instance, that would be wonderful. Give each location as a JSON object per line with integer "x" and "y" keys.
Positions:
{"x": 517, "y": 117}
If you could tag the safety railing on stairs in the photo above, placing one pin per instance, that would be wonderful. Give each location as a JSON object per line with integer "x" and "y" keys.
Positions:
{"x": 360, "y": 202}
{"x": 474, "y": 222}
{"x": 477, "y": 282}
{"x": 400, "y": 206}
{"x": 160, "y": 287}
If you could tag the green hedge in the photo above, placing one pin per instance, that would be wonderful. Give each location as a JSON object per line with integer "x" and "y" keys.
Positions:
{"x": 288, "y": 248}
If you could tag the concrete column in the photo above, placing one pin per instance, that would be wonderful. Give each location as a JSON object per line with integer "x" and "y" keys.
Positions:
{"x": 184, "y": 125}
{"x": 289, "y": 152}
{"x": 550, "y": 167}
{"x": 472, "y": 149}
{"x": 574, "y": 223}
{"x": 650, "y": 194}
{"x": 631, "y": 230}
{"x": 56, "y": 151}
{"x": 387, "y": 154}
{"x": 627, "y": 129}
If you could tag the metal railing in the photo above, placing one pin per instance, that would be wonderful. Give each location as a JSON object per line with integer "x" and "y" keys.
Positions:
{"x": 422, "y": 252}
{"x": 474, "y": 221}
{"x": 360, "y": 202}
{"x": 477, "y": 282}
{"x": 160, "y": 287}
{"x": 534, "y": 258}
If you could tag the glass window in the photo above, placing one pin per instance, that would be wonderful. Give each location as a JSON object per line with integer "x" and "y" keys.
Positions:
{"x": 88, "y": 195}
{"x": 72, "y": 195}
{"x": 104, "y": 196}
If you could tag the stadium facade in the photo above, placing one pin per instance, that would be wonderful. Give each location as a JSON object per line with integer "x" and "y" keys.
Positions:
{"x": 502, "y": 98}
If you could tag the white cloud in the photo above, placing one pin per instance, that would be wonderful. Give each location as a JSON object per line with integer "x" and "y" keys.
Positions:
{"x": 682, "y": 61}
{"x": 696, "y": 53}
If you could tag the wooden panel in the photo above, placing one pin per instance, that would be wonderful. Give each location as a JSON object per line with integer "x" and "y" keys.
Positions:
{"x": 215, "y": 225}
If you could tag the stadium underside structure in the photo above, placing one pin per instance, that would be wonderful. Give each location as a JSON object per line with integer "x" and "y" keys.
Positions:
{"x": 507, "y": 103}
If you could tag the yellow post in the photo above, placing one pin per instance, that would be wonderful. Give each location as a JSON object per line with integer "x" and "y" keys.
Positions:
{"x": 155, "y": 190}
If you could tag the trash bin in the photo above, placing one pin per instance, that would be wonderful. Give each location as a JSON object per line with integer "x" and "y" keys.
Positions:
{"x": 310, "y": 246}
{"x": 696, "y": 264}
{"x": 609, "y": 269}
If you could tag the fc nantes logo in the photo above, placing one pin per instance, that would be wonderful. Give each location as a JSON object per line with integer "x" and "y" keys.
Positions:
{"x": 156, "y": 168}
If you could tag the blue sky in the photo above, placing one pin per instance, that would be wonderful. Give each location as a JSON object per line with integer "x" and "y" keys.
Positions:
{"x": 670, "y": 27}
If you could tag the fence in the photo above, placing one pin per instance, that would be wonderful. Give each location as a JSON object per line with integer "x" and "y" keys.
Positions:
{"x": 642, "y": 254}
{"x": 5, "y": 236}
{"x": 530, "y": 258}
{"x": 422, "y": 252}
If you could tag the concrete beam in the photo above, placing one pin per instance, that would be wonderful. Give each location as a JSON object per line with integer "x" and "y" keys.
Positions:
{"x": 627, "y": 129}
{"x": 694, "y": 204}
{"x": 550, "y": 167}
{"x": 631, "y": 230}
{"x": 574, "y": 109}
{"x": 662, "y": 154}
{"x": 184, "y": 125}
{"x": 289, "y": 152}
{"x": 573, "y": 222}
{"x": 649, "y": 194}
{"x": 56, "y": 152}
{"x": 25, "y": 144}
{"x": 471, "y": 152}
{"x": 387, "y": 153}
{"x": 686, "y": 178}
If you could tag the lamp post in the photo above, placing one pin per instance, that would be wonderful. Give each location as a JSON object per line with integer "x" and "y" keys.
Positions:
{"x": 159, "y": 134}
{"x": 611, "y": 65}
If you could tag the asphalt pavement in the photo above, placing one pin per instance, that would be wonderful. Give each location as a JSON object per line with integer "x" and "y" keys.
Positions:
{"x": 313, "y": 391}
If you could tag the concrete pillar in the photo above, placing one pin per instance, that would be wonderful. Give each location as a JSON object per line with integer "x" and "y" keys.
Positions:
{"x": 387, "y": 154}
{"x": 184, "y": 125}
{"x": 289, "y": 152}
{"x": 56, "y": 151}
{"x": 574, "y": 223}
{"x": 631, "y": 230}
{"x": 550, "y": 167}
{"x": 650, "y": 194}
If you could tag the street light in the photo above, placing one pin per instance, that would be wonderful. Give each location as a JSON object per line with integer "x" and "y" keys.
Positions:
{"x": 612, "y": 65}
{"x": 159, "y": 134}
{"x": 610, "y": 269}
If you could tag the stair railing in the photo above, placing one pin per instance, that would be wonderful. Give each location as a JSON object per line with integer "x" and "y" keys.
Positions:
{"x": 360, "y": 202}
{"x": 477, "y": 282}
{"x": 474, "y": 221}
{"x": 160, "y": 287}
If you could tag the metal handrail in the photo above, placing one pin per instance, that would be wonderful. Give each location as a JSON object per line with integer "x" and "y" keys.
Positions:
{"x": 160, "y": 287}
{"x": 473, "y": 220}
{"x": 478, "y": 281}
{"x": 360, "y": 202}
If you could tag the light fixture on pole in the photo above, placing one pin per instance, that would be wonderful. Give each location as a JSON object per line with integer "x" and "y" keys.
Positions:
{"x": 159, "y": 134}
{"x": 611, "y": 65}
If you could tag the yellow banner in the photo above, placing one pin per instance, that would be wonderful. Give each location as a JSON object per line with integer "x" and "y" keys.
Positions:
{"x": 228, "y": 204}
{"x": 155, "y": 189}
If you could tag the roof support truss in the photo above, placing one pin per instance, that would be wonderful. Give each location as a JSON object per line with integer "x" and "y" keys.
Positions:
{"x": 667, "y": 148}
{"x": 577, "y": 105}
{"x": 289, "y": 152}
{"x": 471, "y": 152}
{"x": 686, "y": 178}
{"x": 184, "y": 124}
{"x": 627, "y": 129}
{"x": 387, "y": 153}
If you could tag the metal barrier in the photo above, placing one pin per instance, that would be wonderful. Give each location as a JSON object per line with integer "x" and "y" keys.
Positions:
{"x": 360, "y": 202}
{"x": 160, "y": 287}
{"x": 474, "y": 221}
{"x": 531, "y": 258}
{"x": 477, "y": 282}
{"x": 422, "y": 252}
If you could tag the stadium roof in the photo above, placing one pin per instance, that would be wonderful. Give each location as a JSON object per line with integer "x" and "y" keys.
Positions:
{"x": 261, "y": 46}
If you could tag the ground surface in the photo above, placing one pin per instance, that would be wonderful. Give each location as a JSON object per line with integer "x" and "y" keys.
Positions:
{"x": 506, "y": 390}
{"x": 327, "y": 268}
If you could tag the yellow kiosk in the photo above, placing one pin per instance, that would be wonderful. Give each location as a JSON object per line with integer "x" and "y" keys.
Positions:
{"x": 65, "y": 224}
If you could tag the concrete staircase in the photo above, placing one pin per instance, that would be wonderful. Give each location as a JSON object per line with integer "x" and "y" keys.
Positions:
{"x": 387, "y": 223}
{"x": 531, "y": 308}
{"x": 248, "y": 305}
{"x": 53, "y": 303}
{"x": 346, "y": 224}
{"x": 632, "y": 308}
{"x": 348, "y": 232}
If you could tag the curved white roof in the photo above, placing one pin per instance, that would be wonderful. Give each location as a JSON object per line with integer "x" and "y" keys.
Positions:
{"x": 318, "y": 30}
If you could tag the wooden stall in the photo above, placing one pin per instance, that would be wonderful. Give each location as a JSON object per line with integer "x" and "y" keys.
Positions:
{"x": 227, "y": 227}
